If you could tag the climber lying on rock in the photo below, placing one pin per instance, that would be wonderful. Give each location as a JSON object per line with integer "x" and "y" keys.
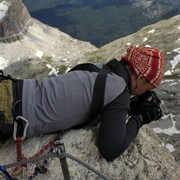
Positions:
{"x": 88, "y": 92}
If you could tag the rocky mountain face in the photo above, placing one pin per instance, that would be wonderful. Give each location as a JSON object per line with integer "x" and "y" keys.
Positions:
{"x": 168, "y": 128}
{"x": 43, "y": 50}
{"x": 42, "y": 45}
{"x": 14, "y": 20}
{"x": 39, "y": 43}
{"x": 147, "y": 3}
{"x": 156, "y": 8}
{"x": 146, "y": 158}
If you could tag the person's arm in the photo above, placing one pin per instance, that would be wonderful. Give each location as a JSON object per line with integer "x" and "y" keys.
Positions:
{"x": 115, "y": 135}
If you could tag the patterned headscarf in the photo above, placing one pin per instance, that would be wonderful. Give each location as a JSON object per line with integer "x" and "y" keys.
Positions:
{"x": 148, "y": 61}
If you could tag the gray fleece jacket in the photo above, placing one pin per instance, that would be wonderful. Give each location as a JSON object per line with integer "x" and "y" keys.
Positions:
{"x": 62, "y": 102}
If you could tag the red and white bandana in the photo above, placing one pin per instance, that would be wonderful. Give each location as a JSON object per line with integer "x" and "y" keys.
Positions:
{"x": 148, "y": 61}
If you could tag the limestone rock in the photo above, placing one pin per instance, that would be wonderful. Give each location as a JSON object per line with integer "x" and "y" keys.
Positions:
{"x": 144, "y": 159}
{"x": 168, "y": 127}
{"x": 14, "y": 20}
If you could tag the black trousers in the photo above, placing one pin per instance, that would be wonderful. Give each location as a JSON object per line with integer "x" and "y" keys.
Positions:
{"x": 6, "y": 130}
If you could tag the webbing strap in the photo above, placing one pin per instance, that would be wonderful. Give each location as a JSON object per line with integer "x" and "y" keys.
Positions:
{"x": 119, "y": 68}
{"x": 5, "y": 77}
{"x": 19, "y": 153}
{"x": 98, "y": 92}
{"x": 86, "y": 67}
{"x": 99, "y": 87}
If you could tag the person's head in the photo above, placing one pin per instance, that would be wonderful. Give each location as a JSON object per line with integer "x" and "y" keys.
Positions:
{"x": 148, "y": 68}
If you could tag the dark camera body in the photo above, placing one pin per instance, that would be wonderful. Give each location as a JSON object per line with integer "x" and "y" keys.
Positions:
{"x": 148, "y": 94}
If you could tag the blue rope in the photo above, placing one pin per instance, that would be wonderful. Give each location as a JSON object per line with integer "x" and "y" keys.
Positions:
{"x": 8, "y": 177}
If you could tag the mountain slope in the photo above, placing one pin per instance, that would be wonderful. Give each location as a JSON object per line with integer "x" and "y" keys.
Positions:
{"x": 102, "y": 21}
{"x": 164, "y": 35}
{"x": 41, "y": 45}
{"x": 98, "y": 24}
{"x": 42, "y": 4}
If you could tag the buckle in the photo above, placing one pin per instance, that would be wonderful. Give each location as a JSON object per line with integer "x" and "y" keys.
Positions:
{"x": 25, "y": 126}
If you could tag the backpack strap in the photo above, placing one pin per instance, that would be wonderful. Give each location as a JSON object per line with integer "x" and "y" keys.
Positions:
{"x": 99, "y": 91}
{"x": 114, "y": 66}
{"x": 99, "y": 87}
{"x": 5, "y": 77}
{"x": 85, "y": 67}
{"x": 118, "y": 67}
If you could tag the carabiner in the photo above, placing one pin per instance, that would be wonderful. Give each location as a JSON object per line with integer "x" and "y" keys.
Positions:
{"x": 16, "y": 125}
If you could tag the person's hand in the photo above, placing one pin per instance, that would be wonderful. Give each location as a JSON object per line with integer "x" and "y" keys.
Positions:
{"x": 138, "y": 101}
{"x": 147, "y": 105}
{"x": 150, "y": 112}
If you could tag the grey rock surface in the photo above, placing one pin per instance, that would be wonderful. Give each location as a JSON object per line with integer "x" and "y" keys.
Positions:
{"x": 168, "y": 127}
{"x": 146, "y": 158}
{"x": 14, "y": 20}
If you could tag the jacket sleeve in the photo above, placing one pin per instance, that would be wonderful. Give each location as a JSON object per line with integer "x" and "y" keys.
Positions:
{"x": 115, "y": 135}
